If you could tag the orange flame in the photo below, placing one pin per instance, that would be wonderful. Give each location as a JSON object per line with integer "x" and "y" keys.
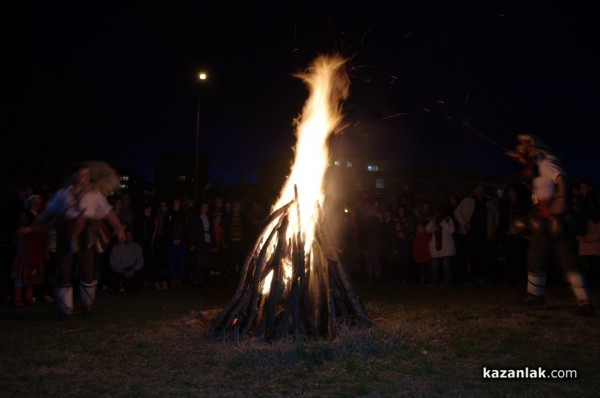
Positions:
{"x": 321, "y": 116}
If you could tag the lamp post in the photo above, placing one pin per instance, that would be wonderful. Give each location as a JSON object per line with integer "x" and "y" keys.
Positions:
{"x": 201, "y": 77}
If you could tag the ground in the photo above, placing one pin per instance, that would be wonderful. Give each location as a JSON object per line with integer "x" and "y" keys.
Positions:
{"x": 426, "y": 341}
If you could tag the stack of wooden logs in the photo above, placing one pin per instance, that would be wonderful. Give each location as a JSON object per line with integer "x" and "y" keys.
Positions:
{"x": 314, "y": 301}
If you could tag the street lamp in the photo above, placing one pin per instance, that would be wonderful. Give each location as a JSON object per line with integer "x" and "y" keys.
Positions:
{"x": 201, "y": 77}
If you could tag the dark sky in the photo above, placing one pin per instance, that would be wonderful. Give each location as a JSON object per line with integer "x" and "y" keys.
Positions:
{"x": 118, "y": 82}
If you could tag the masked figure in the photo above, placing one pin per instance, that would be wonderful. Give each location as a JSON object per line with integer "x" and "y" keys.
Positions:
{"x": 550, "y": 226}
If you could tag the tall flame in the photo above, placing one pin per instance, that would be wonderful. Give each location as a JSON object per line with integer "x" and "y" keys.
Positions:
{"x": 321, "y": 115}
{"x": 292, "y": 282}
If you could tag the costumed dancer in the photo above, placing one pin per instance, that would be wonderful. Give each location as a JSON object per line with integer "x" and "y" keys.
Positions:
{"x": 78, "y": 212}
{"x": 549, "y": 224}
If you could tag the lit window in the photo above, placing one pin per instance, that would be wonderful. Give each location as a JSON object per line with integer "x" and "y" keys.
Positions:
{"x": 337, "y": 163}
{"x": 373, "y": 167}
{"x": 379, "y": 183}
{"x": 349, "y": 164}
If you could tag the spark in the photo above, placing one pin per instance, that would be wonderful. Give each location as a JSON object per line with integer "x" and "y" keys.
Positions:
{"x": 396, "y": 115}
{"x": 295, "y": 30}
{"x": 392, "y": 77}
{"x": 467, "y": 98}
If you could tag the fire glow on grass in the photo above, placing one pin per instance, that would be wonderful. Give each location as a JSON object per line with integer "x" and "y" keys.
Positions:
{"x": 321, "y": 115}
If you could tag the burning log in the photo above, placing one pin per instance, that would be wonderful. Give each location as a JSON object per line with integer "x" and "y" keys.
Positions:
{"x": 312, "y": 301}
{"x": 293, "y": 280}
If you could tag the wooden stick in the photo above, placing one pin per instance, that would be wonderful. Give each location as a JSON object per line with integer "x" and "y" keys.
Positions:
{"x": 259, "y": 276}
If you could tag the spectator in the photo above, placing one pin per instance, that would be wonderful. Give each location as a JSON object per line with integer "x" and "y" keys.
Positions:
{"x": 421, "y": 253}
{"x": 235, "y": 238}
{"x": 371, "y": 236}
{"x": 31, "y": 255}
{"x": 513, "y": 210}
{"x": 200, "y": 242}
{"x": 401, "y": 249}
{"x": 218, "y": 250}
{"x": 478, "y": 219}
{"x": 177, "y": 243}
{"x": 441, "y": 245}
{"x": 589, "y": 237}
{"x": 143, "y": 236}
{"x": 159, "y": 242}
{"x": 127, "y": 262}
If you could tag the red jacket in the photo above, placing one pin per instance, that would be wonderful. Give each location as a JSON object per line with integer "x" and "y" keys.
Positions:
{"x": 421, "y": 253}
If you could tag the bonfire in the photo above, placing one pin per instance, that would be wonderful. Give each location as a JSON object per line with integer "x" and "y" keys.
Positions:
{"x": 293, "y": 280}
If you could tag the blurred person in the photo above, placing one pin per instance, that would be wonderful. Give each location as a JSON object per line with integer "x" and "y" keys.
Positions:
{"x": 177, "y": 242}
{"x": 126, "y": 263}
{"x": 217, "y": 206}
{"x": 143, "y": 235}
{"x": 78, "y": 211}
{"x": 477, "y": 217}
{"x": 236, "y": 238}
{"x": 551, "y": 233}
{"x": 371, "y": 235}
{"x": 348, "y": 237}
{"x": 421, "y": 253}
{"x": 408, "y": 219}
{"x": 200, "y": 241}
{"x": 589, "y": 251}
{"x": 159, "y": 273}
{"x": 254, "y": 218}
{"x": 513, "y": 209}
{"x": 389, "y": 256}
{"x": 31, "y": 254}
{"x": 589, "y": 233}
{"x": 117, "y": 205}
{"x": 127, "y": 213}
{"x": 218, "y": 250}
{"x": 461, "y": 266}
{"x": 441, "y": 246}
{"x": 401, "y": 252}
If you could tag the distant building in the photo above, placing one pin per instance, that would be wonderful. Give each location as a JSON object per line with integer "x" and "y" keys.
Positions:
{"x": 353, "y": 179}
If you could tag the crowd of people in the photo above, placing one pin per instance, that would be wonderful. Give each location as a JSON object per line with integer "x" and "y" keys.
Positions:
{"x": 88, "y": 236}
{"x": 83, "y": 238}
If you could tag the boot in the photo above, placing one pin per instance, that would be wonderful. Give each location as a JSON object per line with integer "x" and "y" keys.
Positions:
{"x": 64, "y": 300}
{"x": 29, "y": 299}
{"x": 536, "y": 290}
{"x": 88, "y": 295}
{"x": 17, "y": 301}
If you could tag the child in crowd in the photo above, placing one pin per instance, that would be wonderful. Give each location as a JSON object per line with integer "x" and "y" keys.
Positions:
{"x": 421, "y": 254}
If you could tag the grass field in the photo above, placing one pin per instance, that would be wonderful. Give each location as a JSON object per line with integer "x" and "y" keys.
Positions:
{"x": 425, "y": 342}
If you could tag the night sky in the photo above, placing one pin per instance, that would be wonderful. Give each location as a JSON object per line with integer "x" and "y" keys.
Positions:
{"x": 118, "y": 83}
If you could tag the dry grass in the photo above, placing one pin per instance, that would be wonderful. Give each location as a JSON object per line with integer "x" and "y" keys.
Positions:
{"x": 425, "y": 342}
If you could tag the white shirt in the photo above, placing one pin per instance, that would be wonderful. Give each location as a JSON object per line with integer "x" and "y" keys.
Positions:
{"x": 544, "y": 185}
{"x": 92, "y": 205}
